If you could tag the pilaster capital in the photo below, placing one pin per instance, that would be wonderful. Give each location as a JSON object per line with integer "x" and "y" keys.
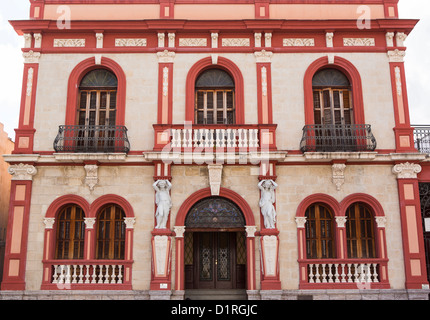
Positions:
{"x": 396, "y": 55}
{"x": 31, "y": 57}
{"x": 407, "y": 170}
{"x": 340, "y": 221}
{"x": 179, "y": 231}
{"x": 300, "y": 221}
{"x": 49, "y": 223}
{"x": 22, "y": 171}
{"x": 129, "y": 222}
{"x": 166, "y": 56}
{"x": 263, "y": 56}
{"x": 250, "y": 231}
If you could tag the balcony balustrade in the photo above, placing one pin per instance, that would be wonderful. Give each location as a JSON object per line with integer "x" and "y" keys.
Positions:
{"x": 337, "y": 138}
{"x": 92, "y": 139}
{"x": 343, "y": 273}
{"x": 102, "y": 274}
{"x": 231, "y": 138}
{"x": 422, "y": 138}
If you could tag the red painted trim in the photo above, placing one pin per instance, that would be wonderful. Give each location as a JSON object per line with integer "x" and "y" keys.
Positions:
{"x": 260, "y": 96}
{"x": 160, "y": 114}
{"x": 75, "y": 78}
{"x": 412, "y": 281}
{"x": 17, "y": 282}
{"x": 223, "y": 64}
{"x": 353, "y": 75}
{"x": 57, "y": 204}
{"x": 111, "y": 199}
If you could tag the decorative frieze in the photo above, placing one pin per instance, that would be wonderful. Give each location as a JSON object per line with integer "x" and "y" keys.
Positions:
{"x": 69, "y": 43}
{"x": 193, "y": 42}
{"x": 22, "y": 171}
{"x": 359, "y": 42}
{"x": 137, "y": 42}
{"x": 298, "y": 42}
{"x": 406, "y": 170}
{"x": 236, "y": 42}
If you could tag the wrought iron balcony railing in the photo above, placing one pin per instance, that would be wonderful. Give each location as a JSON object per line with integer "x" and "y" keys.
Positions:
{"x": 422, "y": 138}
{"x": 337, "y": 138}
{"x": 92, "y": 139}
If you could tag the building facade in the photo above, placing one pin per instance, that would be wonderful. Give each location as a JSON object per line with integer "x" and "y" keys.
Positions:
{"x": 259, "y": 148}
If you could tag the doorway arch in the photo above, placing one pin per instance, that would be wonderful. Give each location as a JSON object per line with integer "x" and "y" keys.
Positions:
{"x": 249, "y": 227}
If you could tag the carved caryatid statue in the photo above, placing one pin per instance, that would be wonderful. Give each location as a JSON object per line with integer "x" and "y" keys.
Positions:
{"x": 267, "y": 200}
{"x": 163, "y": 202}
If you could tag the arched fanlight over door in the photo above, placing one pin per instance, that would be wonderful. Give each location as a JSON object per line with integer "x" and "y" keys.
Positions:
{"x": 214, "y": 98}
{"x": 332, "y": 98}
{"x": 215, "y": 212}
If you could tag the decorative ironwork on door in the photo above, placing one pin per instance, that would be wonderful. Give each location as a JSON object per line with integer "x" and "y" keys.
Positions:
{"x": 215, "y": 212}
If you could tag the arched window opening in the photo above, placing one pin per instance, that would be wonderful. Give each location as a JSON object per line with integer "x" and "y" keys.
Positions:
{"x": 360, "y": 234}
{"x": 70, "y": 233}
{"x": 320, "y": 240}
{"x": 110, "y": 233}
{"x": 97, "y": 98}
{"x": 332, "y": 98}
{"x": 214, "y": 98}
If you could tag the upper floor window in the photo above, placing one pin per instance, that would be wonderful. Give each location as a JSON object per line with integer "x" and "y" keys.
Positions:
{"x": 70, "y": 233}
{"x": 98, "y": 98}
{"x": 214, "y": 98}
{"x": 332, "y": 98}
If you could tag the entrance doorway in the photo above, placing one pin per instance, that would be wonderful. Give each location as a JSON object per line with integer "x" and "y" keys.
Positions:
{"x": 215, "y": 245}
{"x": 215, "y": 260}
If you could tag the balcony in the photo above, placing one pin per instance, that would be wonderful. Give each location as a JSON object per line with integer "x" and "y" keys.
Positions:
{"x": 337, "y": 138}
{"x": 230, "y": 138}
{"x": 88, "y": 274}
{"x": 343, "y": 274}
{"x": 92, "y": 139}
{"x": 422, "y": 138}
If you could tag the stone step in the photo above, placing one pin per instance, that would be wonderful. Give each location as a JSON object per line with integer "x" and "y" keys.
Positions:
{"x": 216, "y": 294}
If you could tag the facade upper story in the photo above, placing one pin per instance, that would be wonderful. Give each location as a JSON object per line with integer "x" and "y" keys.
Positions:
{"x": 290, "y": 77}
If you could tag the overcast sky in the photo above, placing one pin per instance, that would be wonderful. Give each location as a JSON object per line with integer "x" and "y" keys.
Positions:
{"x": 417, "y": 61}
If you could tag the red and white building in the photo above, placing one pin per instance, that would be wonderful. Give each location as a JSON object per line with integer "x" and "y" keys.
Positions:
{"x": 272, "y": 135}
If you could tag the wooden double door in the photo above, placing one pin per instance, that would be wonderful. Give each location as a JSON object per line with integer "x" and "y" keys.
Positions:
{"x": 218, "y": 260}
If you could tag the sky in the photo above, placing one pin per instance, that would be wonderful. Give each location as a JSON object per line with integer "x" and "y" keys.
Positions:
{"x": 417, "y": 61}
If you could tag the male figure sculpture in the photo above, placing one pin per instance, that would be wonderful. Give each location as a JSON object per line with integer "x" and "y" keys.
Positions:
{"x": 267, "y": 200}
{"x": 163, "y": 202}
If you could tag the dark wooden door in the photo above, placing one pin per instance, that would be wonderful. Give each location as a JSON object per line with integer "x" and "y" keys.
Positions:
{"x": 216, "y": 262}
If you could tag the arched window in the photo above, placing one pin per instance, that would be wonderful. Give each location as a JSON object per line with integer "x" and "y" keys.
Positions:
{"x": 214, "y": 98}
{"x": 110, "y": 233}
{"x": 70, "y": 233}
{"x": 320, "y": 241}
{"x": 360, "y": 234}
{"x": 97, "y": 98}
{"x": 332, "y": 98}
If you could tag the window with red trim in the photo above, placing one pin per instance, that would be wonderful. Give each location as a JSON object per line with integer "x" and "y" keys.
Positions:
{"x": 70, "y": 233}
{"x": 110, "y": 233}
{"x": 360, "y": 234}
